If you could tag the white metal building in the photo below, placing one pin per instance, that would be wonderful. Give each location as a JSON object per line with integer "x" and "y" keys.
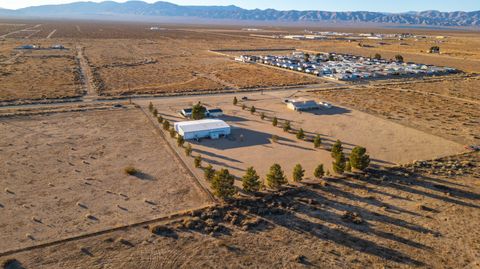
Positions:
{"x": 207, "y": 128}
{"x": 301, "y": 105}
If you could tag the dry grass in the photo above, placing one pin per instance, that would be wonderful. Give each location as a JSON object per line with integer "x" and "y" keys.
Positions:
{"x": 40, "y": 75}
{"x": 449, "y": 118}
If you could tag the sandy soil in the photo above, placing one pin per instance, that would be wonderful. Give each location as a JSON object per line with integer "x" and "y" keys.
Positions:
{"x": 441, "y": 115}
{"x": 131, "y": 59}
{"x": 251, "y": 144}
{"x": 63, "y": 175}
{"x": 405, "y": 220}
{"x": 39, "y": 74}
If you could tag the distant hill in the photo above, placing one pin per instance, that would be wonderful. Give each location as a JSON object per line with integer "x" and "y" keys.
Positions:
{"x": 139, "y": 8}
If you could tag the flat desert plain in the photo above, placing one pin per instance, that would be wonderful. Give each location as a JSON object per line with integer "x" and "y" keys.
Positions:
{"x": 401, "y": 219}
{"x": 63, "y": 175}
{"x": 66, "y": 200}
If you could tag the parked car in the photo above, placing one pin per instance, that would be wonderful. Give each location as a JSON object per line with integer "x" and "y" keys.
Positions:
{"x": 326, "y": 105}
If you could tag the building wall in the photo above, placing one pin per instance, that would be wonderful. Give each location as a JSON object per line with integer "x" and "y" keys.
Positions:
{"x": 203, "y": 134}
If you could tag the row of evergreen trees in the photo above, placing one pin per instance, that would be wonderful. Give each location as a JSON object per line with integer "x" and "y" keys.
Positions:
{"x": 222, "y": 182}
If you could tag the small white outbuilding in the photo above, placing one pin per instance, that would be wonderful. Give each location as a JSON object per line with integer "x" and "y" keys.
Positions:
{"x": 207, "y": 128}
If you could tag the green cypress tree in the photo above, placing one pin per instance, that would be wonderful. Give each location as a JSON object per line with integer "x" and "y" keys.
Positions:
{"x": 286, "y": 126}
{"x": 262, "y": 115}
{"x": 166, "y": 125}
{"x": 244, "y": 106}
{"x": 319, "y": 172}
{"x": 235, "y": 101}
{"x": 337, "y": 148}
{"x": 209, "y": 172}
{"x": 223, "y": 184}
{"x": 180, "y": 141}
{"x": 317, "y": 141}
{"x": 160, "y": 119}
{"x": 252, "y": 110}
{"x": 339, "y": 163}
{"x": 359, "y": 159}
{"x": 348, "y": 166}
{"x": 172, "y": 132}
{"x": 198, "y": 111}
{"x": 188, "y": 149}
{"x": 150, "y": 107}
{"x": 300, "y": 134}
{"x": 275, "y": 121}
{"x": 275, "y": 177}
{"x": 298, "y": 173}
{"x": 155, "y": 112}
{"x": 197, "y": 161}
{"x": 251, "y": 180}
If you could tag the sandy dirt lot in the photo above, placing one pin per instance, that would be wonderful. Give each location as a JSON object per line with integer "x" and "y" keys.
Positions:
{"x": 63, "y": 175}
{"x": 404, "y": 220}
{"x": 439, "y": 114}
{"x": 251, "y": 144}
{"x": 39, "y": 74}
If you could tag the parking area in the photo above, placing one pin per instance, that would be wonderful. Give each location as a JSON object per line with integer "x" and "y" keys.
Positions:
{"x": 347, "y": 67}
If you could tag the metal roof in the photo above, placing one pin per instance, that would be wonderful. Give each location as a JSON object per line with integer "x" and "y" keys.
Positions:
{"x": 201, "y": 125}
{"x": 304, "y": 103}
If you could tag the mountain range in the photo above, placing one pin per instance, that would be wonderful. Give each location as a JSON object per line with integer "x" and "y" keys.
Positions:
{"x": 165, "y": 9}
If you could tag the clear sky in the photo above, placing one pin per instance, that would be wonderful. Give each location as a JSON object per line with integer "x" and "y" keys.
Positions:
{"x": 327, "y": 5}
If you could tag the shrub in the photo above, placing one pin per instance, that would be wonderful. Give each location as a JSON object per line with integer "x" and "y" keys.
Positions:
{"x": 188, "y": 149}
{"x": 339, "y": 163}
{"x": 262, "y": 116}
{"x": 252, "y": 110}
{"x": 377, "y": 56}
{"x": 197, "y": 161}
{"x": 209, "y": 172}
{"x": 359, "y": 159}
{"x": 160, "y": 119}
{"x": 235, "y": 101}
{"x": 275, "y": 138}
{"x": 251, "y": 180}
{"x": 286, "y": 126}
{"x": 298, "y": 173}
{"x": 130, "y": 170}
{"x": 172, "y": 132}
{"x": 180, "y": 141}
{"x": 317, "y": 141}
{"x": 319, "y": 172}
{"x": 399, "y": 58}
{"x": 275, "y": 121}
{"x": 155, "y": 112}
{"x": 337, "y": 148}
{"x": 198, "y": 111}
{"x": 223, "y": 184}
{"x": 166, "y": 125}
{"x": 301, "y": 134}
{"x": 348, "y": 166}
{"x": 275, "y": 177}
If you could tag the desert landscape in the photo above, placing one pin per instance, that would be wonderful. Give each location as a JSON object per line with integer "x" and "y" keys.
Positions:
{"x": 93, "y": 173}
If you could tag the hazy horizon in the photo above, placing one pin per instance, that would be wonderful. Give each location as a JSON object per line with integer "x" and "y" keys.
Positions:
{"x": 343, "y": 5}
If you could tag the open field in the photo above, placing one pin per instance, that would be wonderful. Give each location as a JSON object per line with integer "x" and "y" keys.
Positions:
{"x": 63, "y": 175}
{"x": 444, "y": 116}
{"x": 66, "y": 200}
{"x": 129, "y": 58}
{"x": 251, "y": 141}
{"x": 404, "y": 219}
{"x": 38, "y": 74}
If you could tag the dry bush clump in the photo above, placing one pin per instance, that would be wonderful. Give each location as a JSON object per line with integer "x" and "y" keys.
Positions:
{"x": 130, "y": 170}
